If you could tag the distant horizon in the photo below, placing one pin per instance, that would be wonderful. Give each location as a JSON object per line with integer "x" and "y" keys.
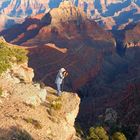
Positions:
{"x": 111, "y": 15}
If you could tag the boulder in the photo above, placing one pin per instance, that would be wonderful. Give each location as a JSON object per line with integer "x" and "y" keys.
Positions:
{"x": 2, "y": 39}
{"x": 42, "y": 95}
{"x": 29, "y": 94}
{"x": 110, "y": 115}
{"x": 23, "y": 72}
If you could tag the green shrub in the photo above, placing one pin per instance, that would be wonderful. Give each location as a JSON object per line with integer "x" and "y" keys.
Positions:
{"x": 97, "y": 133}
{"x": 118, "y": 136}
{"x": 9, "y": 55}
{"x": 56, "y": 105}
{"x": 128, "y": 130}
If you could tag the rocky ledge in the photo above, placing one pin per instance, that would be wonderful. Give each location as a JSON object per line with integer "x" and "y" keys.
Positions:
{"x": 31, "y": 110}
{"x": 51, "y": 120}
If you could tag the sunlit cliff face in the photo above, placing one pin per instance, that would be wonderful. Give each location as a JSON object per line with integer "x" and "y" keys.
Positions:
{"x": 110, "y": 14}
{"x": 23, "y": 7}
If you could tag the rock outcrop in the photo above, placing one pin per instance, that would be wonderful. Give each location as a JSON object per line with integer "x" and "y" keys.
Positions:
{"x": 66, "y": 12}
{"x": 88, "y": 52}
{"x": 110, "y": 115}
{"x": 67, "y": 36}
{"x": 23, "y": 72}
{"x": 20, "y": 8}
{"x": 15, "y": 11}
{"x": 105, "y": 12}
{"x": 111, "y": 14}
{"x": 17, "y": 78}
{"x": 54, "y": 118}
{"x": 132, "y": 36}
{"x": 7, "y": 21}
{"x": 33, "y": 111}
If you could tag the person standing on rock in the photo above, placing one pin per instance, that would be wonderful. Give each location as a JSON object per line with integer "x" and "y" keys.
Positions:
{"x": 59, "y": 79}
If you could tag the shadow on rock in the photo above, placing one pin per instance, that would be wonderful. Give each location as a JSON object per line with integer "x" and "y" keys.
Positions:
{"x": 14, "y": 133}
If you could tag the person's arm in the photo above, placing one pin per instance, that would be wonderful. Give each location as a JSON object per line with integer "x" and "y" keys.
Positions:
{"x": 61, "y": 75}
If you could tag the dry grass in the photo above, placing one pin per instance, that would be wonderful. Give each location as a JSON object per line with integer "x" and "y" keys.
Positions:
{"x": 56, "y": 104}
{"x": 10, "y": 55}
{"x": 0, "y": 91}
{"x": 36, "y": 123}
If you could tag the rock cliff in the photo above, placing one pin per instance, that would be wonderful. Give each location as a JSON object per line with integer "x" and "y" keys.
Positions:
{"x": 7, "y": 21}
{"x": 31, "y": 110}
{"x": 111, "y": 14}
{"x": 68, "y": 37}
{"x": 88, "y": 52}
{"x": 23, "y": 8}
{"x": 132, "y": 36}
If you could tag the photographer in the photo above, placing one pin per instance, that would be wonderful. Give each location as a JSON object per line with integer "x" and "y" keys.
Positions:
{"x": 59, "y": 79}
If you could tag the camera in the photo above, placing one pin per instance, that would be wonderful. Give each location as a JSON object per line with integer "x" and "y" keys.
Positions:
{"x": 65, "y": 73}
